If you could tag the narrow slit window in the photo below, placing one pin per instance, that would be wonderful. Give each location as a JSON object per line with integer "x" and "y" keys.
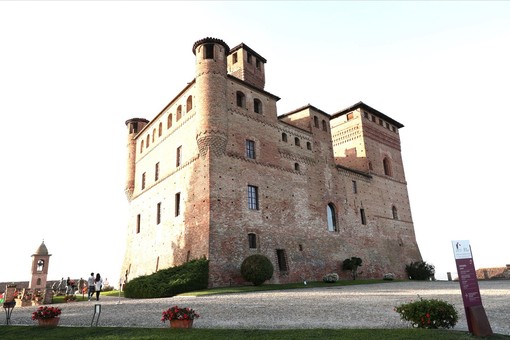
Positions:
{"x": 282, "y": 260}
{"x": 363, "y": 217}
{"x": 177, "y": 204}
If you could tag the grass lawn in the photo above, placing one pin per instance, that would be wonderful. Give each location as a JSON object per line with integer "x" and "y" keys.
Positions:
{"x": 111, "y": 333}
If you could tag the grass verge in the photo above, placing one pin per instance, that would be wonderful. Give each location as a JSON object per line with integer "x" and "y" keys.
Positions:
{"x": 113, "y": 333}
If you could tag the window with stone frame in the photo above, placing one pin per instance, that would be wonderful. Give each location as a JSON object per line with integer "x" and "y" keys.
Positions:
{"x": 284, "y": 137}
{"x": 250, "y": 149}
{"x": 282, "y": 260}
{"x": 177, "y": 204}
{"x": 257, "y": 106}
{"x": 240, "y": 99}
{"x": 363, "y": 216}
{"x": 331, "y": 215}
{"x": 253, "y": 197}
{"x": 252, "y": 240}
{"x": 189, "y": 104}
{"x": 158, "y": 213}
{"x": 394, "y": 212}
{"x": 178, "y": 156}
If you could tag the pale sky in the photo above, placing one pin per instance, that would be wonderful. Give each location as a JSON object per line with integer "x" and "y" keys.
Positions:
{"x": 71, "y": 74}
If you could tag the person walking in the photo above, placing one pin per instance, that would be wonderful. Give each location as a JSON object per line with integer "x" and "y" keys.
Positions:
{"x": 91, "y": 287}
{"x": 98, "y": 284}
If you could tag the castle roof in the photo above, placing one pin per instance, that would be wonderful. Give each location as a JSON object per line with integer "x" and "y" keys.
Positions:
{"x": 42, "y": 250}
{"x": 247, "y": 48}
{"x": 365, "y": 107}
{"x": 211, "y": 40}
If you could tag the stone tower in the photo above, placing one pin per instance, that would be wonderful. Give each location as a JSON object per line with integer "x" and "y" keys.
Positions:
{"x": 211, "y": 99}
{"x": 40, "y": 263}
{"x": 134, "y": 126}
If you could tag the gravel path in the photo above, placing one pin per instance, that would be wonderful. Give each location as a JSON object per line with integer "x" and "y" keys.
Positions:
{"x": 360, "y": 306}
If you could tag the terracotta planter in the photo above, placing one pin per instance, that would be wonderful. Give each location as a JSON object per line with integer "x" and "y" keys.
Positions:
{"x": 48, "y": 322}
{"x": 181, "y": 323}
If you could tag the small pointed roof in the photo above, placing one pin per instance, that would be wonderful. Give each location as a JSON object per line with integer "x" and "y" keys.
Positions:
{"x": 42, "y": 250}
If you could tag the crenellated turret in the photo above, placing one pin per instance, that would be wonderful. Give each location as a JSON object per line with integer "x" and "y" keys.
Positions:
{"x": 211, "y": 89}
{"x": 134, "y": 126}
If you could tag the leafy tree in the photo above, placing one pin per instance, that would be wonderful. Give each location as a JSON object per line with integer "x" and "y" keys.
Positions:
{"x": 420, "y": 270}
{"x": 352, "y": 264}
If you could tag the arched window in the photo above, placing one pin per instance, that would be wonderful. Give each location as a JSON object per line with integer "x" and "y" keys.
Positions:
{"x": 316, "y": 121}
{"x": 297, "y": 142}
{"x": 189, "y": 104}
{"x": 387, "y": 166}
{"x": 141, "y": 145}
{"x": 39, "y": 281}
{"x": 331, "y": 217}
{"x": 394, "y": 212}
{"x": 179, "y": 113}
{"x": 296, "y": 166}
{"x": 240, "y": 99}
{"x": 257, "y": 105}
{"x": 40, "y": 265}
{"x": 169, "y": 121}
{"x": 324, "y": 125}
{"x": 309, "y": 145}
{"x": 284, "y": 137}
{"x": 148, "y": 140}
{"x": 153, "y": 134}
{"x": 160, "y": 129}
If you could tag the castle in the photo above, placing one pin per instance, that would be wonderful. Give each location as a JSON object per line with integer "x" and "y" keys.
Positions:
{"x": 217, "y": 173}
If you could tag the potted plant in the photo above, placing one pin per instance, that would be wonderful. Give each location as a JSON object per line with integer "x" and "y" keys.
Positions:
{"x": 47, "y": 316}
{"x": 180, "y": 317}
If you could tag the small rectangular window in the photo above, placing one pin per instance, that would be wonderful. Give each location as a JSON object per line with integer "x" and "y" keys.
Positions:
{"x": 234, "y": 58}
{"x": 178, "y": 156}
{"x": 156, "y": 172}
{"x": 138, "y": 222}
{"x": 158, "y": 213}
{"x": 252, "y": 241}
{"x": 282, "y": 260}
{"x": 250, "y": 149}
{"x": 249, "y": 58}
{"x": 354, "y": 187}
{"x": 363, "y": 217}
{"x": 143, "y": 181}
{"x": 208, "y": 51}
{"x": 177, "y": 204}
{"x": 253, "y": 197}
{"x": 257, "y": 64}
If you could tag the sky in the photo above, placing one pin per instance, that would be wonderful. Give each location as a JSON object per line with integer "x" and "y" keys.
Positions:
{"x": 72, "y": 73}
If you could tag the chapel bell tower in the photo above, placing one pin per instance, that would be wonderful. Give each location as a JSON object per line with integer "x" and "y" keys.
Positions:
{"x": 40, "y": 262}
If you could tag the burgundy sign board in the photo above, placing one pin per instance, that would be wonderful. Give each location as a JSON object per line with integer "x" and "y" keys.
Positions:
{"x": 477, "y": 321}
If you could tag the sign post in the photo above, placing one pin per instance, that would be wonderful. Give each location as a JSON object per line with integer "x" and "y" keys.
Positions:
{"x": 477, "y": 321}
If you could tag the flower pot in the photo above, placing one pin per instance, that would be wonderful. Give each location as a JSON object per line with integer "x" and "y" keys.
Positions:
{"x": 53, "y": 322}
{"x": 181, "y": 323}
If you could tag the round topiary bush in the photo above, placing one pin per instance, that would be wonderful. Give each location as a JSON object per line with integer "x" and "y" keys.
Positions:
{"x": 257, "y": 269}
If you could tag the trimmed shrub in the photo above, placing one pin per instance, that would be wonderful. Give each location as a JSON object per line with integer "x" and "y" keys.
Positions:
{"x": 190, "y": 276}
{"x": 256, "y": 269}
{"x": 331, "y": 278}
{"x": 420, "y": 270}
{"x": 431, "y": 313}
{"x": 352, "y": 264}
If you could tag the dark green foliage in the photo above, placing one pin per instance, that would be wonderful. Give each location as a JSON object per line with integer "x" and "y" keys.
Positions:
{"x": 188, "y": 277}
{"x": 257, "y": 269}
{"x": 420, "y": 270}
{"x": 431, "y": 313}
{"x": 352, "y": 264}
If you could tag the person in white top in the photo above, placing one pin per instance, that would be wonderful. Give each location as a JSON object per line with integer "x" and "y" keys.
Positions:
{"x": 98, "y": 284}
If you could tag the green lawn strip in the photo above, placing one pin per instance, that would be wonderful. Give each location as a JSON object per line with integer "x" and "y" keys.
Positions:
{"x": 113, "y": 333}
{"x": 269, "y": 287}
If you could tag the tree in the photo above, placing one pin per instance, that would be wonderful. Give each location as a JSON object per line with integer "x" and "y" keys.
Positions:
{"x": 352, "y": 264}
{"x": 420, "y": 270}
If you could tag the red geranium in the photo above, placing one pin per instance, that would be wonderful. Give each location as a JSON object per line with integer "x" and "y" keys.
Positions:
{"x": 176, "y": 313}
{"x": 45, "y": 312}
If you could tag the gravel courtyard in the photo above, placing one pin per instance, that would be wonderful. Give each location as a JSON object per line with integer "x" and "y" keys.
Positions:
{"x": 359, "y": 306}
